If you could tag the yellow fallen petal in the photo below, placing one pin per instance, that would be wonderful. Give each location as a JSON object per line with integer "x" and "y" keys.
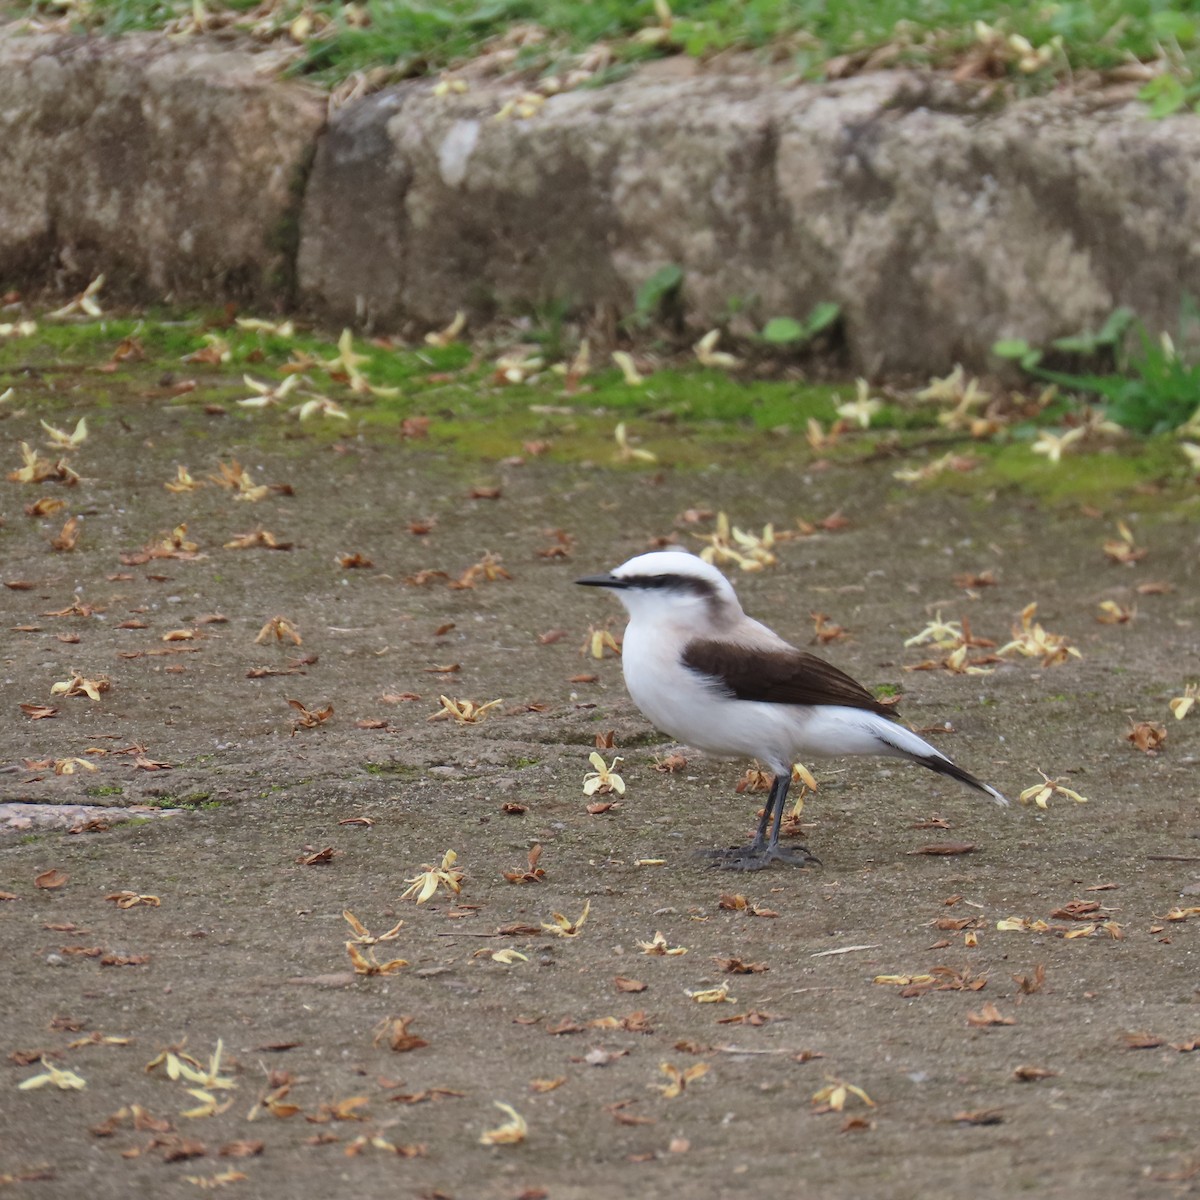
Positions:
{"x": 513, "y": 1131}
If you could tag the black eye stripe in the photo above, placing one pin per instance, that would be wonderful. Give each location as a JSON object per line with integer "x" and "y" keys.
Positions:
{"x": 671, "y": 583}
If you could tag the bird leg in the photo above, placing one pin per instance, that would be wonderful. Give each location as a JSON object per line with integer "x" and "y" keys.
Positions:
{"x": 762, "y": 852}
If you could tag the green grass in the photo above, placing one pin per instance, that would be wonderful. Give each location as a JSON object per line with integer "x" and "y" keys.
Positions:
{"x": 192, "y": 802}
{"x": 398, "y": 40}
{"x": 399, "y": 770}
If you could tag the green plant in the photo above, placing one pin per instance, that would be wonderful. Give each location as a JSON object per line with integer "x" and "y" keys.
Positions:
{"x": 1089, "y": 342}
{"x": 1179, "y": 88}
{"x": 1159, "y": 393}
{"x": 659, "y": 296}
{"x": 787, "y": 331}
{"x": 1168, "y": 94}
{"x": 1154, "y": 387}
{"x": 548, "y": 328}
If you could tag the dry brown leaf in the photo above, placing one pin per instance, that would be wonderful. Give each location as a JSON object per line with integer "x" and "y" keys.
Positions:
{"x": 394, "y": 1031}
{"x": 754, "y": 779}
{"x": 279, "y": 628}
{"x": 981, "y": 1116}
{"x": 1141, "y": 1040}
{"x": 954, "y": 924}
{"x": 617, "y": 1111}
{"x": 276, "y": 1103}
{"x": 133, "y": 900}
{"x": 857, "y": 1125}
{"x": 735, "y": 966}
{"x": 487, "y": 569}
{"x": 1147, "y": 736}
{"x": 1030, "y": 1074}
{"x": 318, "y": 858}
{"x": 533, "y": 874}
{"x": 256, "y": 539}
{"x": 142, "y": 763}
{"x": 1080, "y": 910}
{"x": 825, "y": 631}
{"x": 427, "y": 1094}
{"x": 671, "y": 764}
{"x": 68, "y": 538}
{"x": 969, "y": 580}
{"x": 1112, "y": 613}
{"x": 339, "y": 1110}
{"x": 1123, "y": 549}
{"x": 989, "y": 1014}
{"x": 754, "y": 1017}
{"x": 678, "y": 1080}
{"x": 45, "y": 507}
{"x": 309, "y": 718}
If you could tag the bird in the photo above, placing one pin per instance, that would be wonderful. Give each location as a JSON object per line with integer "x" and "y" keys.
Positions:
{"x": 711, "y": 677}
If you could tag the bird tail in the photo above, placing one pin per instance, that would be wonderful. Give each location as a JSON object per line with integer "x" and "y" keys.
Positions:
{"x": 943, "y": 766}
{"x": 907, "y": 744}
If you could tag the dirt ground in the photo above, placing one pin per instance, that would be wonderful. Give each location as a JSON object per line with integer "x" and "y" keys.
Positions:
{"x": 1077, "y": 1083}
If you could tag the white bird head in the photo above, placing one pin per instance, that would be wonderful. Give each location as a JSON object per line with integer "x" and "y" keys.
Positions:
{"x": 671, "y": 586}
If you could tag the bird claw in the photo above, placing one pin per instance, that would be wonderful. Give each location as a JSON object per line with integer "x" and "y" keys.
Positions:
{"x": 758, "y": 858}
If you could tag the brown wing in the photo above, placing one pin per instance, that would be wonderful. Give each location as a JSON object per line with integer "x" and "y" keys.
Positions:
{"x": 779, "y": 676}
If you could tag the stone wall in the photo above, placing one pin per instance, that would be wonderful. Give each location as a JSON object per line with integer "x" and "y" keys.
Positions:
{"x": 177, "y": 172}
{"x": 937, "y": 225}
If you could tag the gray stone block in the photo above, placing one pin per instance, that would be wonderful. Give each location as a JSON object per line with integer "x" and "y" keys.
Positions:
{"x": 176, "y": 171}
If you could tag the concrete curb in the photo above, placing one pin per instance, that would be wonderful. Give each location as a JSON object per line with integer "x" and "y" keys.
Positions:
{"x": 937, "y": 225}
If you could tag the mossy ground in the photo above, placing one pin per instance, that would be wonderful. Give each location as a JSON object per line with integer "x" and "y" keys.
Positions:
{"x": 687, "y": 417}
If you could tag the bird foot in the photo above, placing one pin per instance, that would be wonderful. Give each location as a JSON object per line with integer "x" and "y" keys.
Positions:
{"x": 758, "y": 858}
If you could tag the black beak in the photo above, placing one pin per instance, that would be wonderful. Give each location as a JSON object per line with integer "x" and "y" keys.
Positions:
{"x": 604, "y": 581}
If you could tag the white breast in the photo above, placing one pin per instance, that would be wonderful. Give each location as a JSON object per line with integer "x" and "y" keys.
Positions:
{"x": 681, "y": 703}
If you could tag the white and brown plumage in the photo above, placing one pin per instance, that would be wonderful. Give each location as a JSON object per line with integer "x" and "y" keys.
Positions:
{"x": 716, "y": 679}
